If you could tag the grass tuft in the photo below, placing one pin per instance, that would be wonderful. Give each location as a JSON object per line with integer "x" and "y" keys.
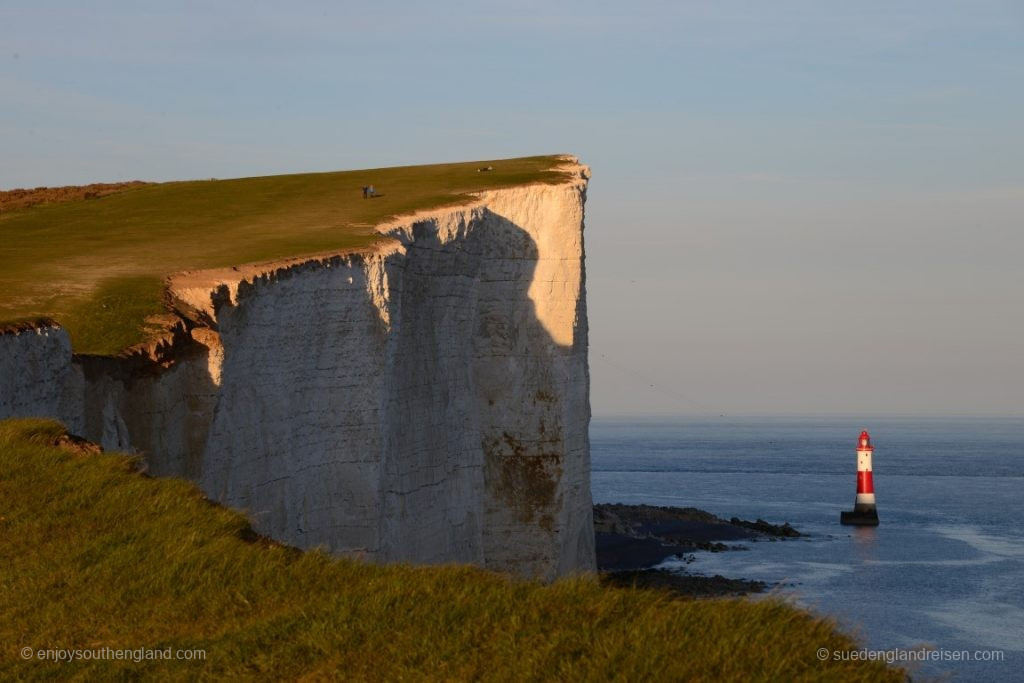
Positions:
{"x": 97, "y": 555}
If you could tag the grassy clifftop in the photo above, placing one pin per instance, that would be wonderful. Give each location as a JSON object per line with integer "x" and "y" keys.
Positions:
{"x": 97, "y": 265}
{"x": 98, "y": 556}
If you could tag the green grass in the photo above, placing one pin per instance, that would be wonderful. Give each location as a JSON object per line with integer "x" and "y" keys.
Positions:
{"x": 96, "y": 555}
{"x": 64, "y": 260}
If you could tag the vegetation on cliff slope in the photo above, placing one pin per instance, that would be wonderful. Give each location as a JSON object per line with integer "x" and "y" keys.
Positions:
{"x": 97, "y": 556}
{"x": 81, "y": 262}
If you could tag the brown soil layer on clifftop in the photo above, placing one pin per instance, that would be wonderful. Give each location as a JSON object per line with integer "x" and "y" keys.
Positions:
{"x": 23, "y": 198}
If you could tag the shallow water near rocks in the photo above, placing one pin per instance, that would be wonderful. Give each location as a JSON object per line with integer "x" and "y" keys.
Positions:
{"x": 945, "y": 567}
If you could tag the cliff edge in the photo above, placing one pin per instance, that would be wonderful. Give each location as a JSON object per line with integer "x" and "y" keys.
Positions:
{"x": 424, "y": 399}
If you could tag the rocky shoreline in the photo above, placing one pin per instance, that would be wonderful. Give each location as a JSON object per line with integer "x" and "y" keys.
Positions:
{"x": 633, "y": 539}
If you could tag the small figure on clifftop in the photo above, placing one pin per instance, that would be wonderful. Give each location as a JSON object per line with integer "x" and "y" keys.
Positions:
{"x": 366, "y": 191}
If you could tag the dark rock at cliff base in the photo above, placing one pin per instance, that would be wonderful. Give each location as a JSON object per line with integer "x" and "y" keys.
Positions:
{"x": 640, "y": 536}
{"x": 631, "y": 539}
{"x": 619, "y": 551}
{"x": 781, "y": 530}
{"x": 691, "y": 532}
{"x": 622, "y": 516}
{"x": 683, "y": 585}
{"x": 682, "y": 525}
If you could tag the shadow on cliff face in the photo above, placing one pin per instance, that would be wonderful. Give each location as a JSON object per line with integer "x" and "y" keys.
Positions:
{"x": 509, "y": 421}
{"x": 162, "y": 411}
{"x": 518, "y": 395}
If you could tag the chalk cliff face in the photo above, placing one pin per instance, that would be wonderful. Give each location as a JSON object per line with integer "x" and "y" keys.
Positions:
{"x": 426, "y": 400}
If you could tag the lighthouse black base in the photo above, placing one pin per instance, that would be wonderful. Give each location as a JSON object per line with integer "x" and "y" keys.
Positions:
{"x": 861, "y": 515}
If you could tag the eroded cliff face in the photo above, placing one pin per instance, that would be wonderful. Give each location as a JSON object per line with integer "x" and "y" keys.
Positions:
{"x": 423, "y": 401}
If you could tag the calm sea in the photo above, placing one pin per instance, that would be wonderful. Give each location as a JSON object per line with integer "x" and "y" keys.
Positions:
{"x": 946, "y": 565}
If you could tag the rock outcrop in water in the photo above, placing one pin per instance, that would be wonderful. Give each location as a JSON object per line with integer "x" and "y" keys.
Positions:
{"x": 631, "y": 537}
{"x": 426, "y": 400}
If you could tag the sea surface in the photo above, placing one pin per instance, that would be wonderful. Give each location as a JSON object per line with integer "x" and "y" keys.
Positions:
{"x": 944, "y": 568}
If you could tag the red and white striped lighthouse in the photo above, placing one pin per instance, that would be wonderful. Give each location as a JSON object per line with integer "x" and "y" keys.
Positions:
{"x": 864, "y": 512}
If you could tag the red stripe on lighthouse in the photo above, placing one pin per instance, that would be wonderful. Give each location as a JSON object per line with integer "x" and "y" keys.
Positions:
{"x": 865, "y": 484}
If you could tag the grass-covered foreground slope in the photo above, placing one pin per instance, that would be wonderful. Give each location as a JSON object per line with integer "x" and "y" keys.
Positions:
{"x": 96, "y": 555}
{"x": 97, "y": 265}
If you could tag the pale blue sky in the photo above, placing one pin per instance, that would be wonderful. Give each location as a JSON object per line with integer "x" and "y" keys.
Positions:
{"x": 797, "y": 207}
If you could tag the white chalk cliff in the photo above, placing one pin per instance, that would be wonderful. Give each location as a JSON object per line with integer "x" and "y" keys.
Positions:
{"x": 425, "y": 400}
